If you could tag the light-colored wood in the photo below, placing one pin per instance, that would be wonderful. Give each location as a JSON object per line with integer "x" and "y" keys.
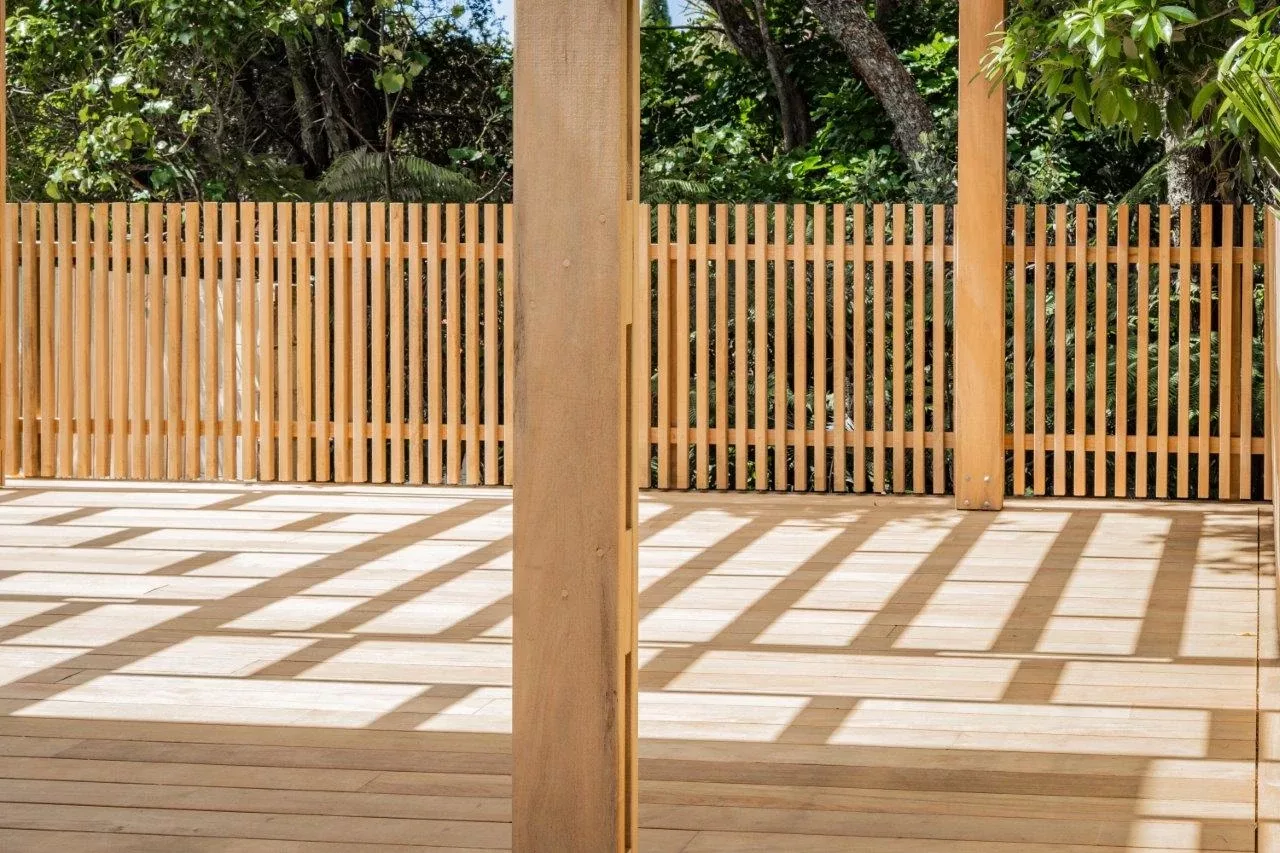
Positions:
{"x": 980, "y": 273}
{"x": 435, "y": 351}
{"x": 1186, "y": 236}
{"x": 939, "y": 359}
{"x": 209, "y": 341}
{"x": 1142, "y": 377}
{"x": 683, "y": 329}
{"x": 359, "y": 343}
{"x": 47, "y": 370}
{"x": 453, "y": 344}
{"x": 1164, "y": 315}
{"x": 839, "y": 350}
{"x": 1245, "y": 359}
{"x": 859, "y": 393}
{"x": 101, "y": 337}
{"x": 800, "y": 353}
{"x": 83, "y": 341}
{"x": 10, "y": 332}
{"x": 472, "y": 339}
{"x": 378, "y": 379}
{"x": 305, "y": 290}
{"x": 397, "y": 343}
{"x": 1204, "y": 353}
{"x": 417, "y": 310}
{"x": 1121, "y": 384}
{"x": 899, "y": 406}
{"x": 1040, "y": 360}
{"x": 1061, "y": 285}
{"x": 780, "y": 350}
{"x": 64, "y": 342}
{"x": 269, "y": 339}
{"x": 492, "y": 338}
{"x": 248, "y": 341}
{"x": 137, "y": 339}
{"x": 119, "y": 341}
{"x": 230, "y": 351}
{"x": 1020, "y": 349}
{"x": 821, "y": 422}
{"x": 702, "y": 349}
{"x": 760, "y": 347}
{"x": 575, "y": 709}
{"x": 667, "y": 307}
{"x": 721, "y": 343}
{"x": 342, "y": 414}
{"x": 932, "y": 718}
{"x": 1101, "y": 300}
{"x": 1080, "y": 356}
{"x": 511, "y": 285}
{"x": 878, "y": 346}
{"x": 740, "y": 344}
{"x": 918, "y": 303}
{"x": 1228, "y": 325}
{"x": 284, "y": 291}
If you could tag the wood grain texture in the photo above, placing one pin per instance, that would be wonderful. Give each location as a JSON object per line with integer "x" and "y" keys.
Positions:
{"x": 575, "y": 579}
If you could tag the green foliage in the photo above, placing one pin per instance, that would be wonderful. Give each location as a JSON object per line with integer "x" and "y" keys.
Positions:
{"x": 369, "y": 175}
{"x": 1249, "y": 77}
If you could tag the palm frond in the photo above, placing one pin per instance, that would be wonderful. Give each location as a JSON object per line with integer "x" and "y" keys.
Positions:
{"x": 362, "y": 176}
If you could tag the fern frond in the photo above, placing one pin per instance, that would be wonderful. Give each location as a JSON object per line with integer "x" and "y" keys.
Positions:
{"x": 362, "y": 176}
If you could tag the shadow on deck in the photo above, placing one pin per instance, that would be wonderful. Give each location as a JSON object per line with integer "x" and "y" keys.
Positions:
{"x": 328, "y": 669}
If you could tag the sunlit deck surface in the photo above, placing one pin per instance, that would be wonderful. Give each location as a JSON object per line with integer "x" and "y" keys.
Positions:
{"x": 258, "y": 670}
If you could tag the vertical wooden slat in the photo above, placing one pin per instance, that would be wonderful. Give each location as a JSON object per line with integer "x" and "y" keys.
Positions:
{"x": 760, "y": 401}
{"x": 137, "y": 343}
{"x": 820, "y": 420}
{"x": 416, "y": 346}
{"x": 1245, "y": 357}
{"x": 1060, "y": 379}
{"x": 265, "y": 282}
{"x": 1142, "y": 375}
{"x": 11, "y": 405}
{"x": 1040, "y": 362}
{"x": 472, "y": 340}
{"x": 342, "y": 416}
{"x": 917, "y": 349}
{"x": 1204, "y": 351}
{"x": 360, "y": 411}
{"x": 48, "y": 369}
{"x": 702, "y": 350}
{"x": 1228, "y": 324}
{"x": 83, "y": 340}
{"x": 284, "y": 295}
{"x": 721, "y": 343}
{"x": 1186, "y": 236}
{"x": 229, "y": 351}
{"x": 304, "y": 288}
{"x": 1122, "y": 353}
{"x": 511, "y": 283}
{"x": 899, "y": 401}
{"x": 878, "y": 348}
{"x": 1019, "y": 349}
{"x": 740, "y": 341}
{"x": 453, "y": 343}
{"x": 435, "y": 351}
{"x": 209, "y": 341}
{"x": 780, "y": 349}
{"x": 1100, "y": 332}
{"x": 665, "y": 377}
{"x": 839, "y": 350}
{"x": 29, "y": 346}
{"x": 190, "y": 417}
{"x": 377, "y": 387}
{"x": 682, "y": 358}
{"x": 800, "y": 343}
{"x": 491, "y": 335}
{"x": 119, "y": 339}
{"x": 859, "y": 395}
{"x": 1080, "y": 400}
{"x": 641, "y": 355}
{"x": 248, "y": 339}
{"x": 101, "y": 335}
{"x": 939, "y": 394}
{"x": 64, "y": 344}
{"x": 1165, "y": 263}
{"x": 396, "y": 346}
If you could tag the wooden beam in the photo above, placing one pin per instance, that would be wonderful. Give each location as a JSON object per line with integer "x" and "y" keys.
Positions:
{"x": 5, "y": 320}
{"x": 980, "y": 268}
{"x": 576, "y": 144}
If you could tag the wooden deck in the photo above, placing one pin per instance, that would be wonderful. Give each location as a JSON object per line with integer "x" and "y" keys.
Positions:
{"x": 261, "y": 670}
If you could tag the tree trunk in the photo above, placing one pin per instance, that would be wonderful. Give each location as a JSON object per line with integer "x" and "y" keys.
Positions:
{"x": 878, "y": 66}
{"x": 306, "y": 105}
{"x": 1187, "y": 177}
{"x": 752, "y": 40}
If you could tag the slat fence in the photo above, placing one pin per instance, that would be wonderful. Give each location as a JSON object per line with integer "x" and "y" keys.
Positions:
{"x": 788, "y": 348}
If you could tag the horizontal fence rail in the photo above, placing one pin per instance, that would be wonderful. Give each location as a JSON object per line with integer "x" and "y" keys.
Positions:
{"x": 788, "y": 347}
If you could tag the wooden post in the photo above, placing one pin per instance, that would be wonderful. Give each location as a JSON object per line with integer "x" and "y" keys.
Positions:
{"x": 5, "y": 321}
{"x": 576, "y": 142}
{"x": 980, "y": 267}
